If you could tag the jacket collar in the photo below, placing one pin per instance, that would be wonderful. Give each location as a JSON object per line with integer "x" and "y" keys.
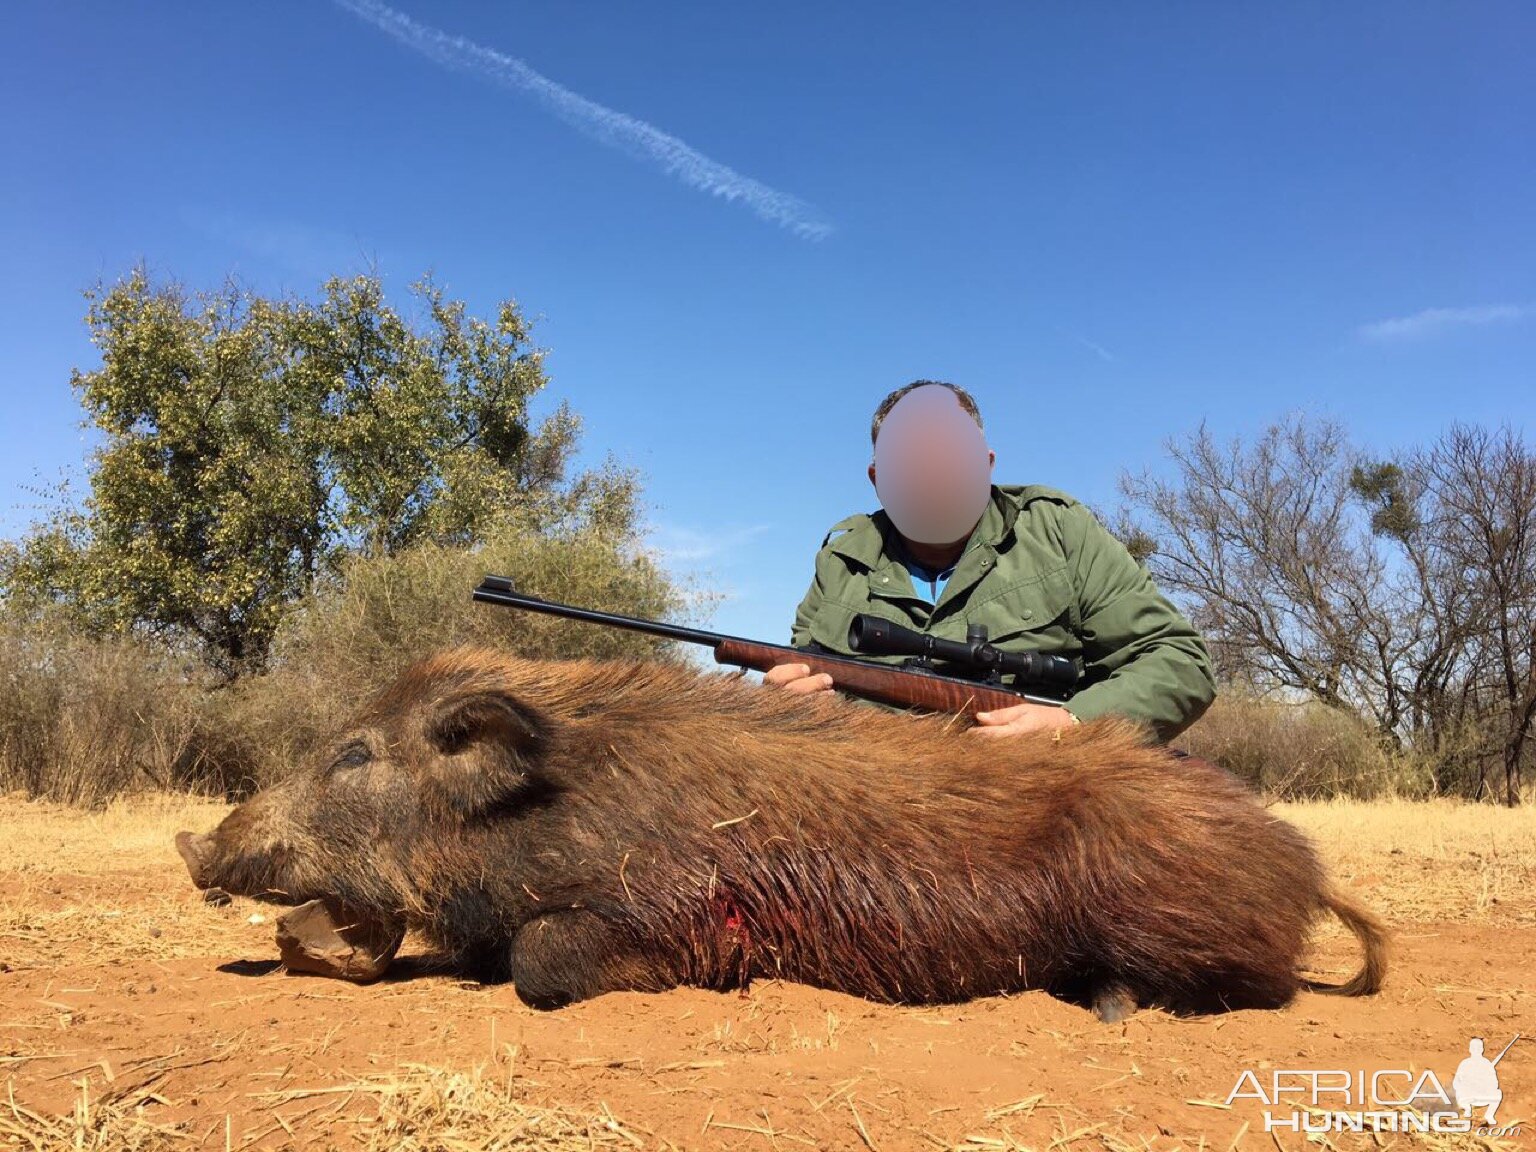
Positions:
{"x": 872, "y": 540}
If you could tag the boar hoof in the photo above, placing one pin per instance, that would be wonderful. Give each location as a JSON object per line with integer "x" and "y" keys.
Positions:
{"x": 329, "y": 940}
{"x": 1113, "y": 1003}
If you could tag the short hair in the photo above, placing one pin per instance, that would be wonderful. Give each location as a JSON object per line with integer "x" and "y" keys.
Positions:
{"x": 890, "y": 402}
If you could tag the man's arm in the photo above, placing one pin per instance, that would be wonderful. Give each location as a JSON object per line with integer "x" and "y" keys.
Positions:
{"x": 800, "y": 631}
{"x": 825, "y": 572}
{"x": 1159, "y": 669}
{"x": 797, "y": 677}
{"x": 800, "y": 637}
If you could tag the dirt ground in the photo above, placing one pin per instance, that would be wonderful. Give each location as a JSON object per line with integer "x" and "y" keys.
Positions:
{"x": 134, "y": 1015}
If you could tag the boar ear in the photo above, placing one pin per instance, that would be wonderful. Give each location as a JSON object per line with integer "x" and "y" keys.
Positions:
{"x": 488, "y": 746}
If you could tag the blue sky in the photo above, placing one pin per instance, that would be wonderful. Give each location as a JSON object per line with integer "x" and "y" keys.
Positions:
{"x": 1109, "y": 221}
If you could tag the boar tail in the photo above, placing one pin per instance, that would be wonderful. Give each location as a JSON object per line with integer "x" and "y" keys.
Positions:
{"x": 1372, "y": 935}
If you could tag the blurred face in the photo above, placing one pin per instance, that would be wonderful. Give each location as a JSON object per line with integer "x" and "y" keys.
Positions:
{"x": 932, "y": 470}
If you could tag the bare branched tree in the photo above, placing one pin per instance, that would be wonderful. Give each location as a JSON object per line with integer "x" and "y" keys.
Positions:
{"x": 1401, "y": 590}
{"x": 1481, "y": 505}
{"x": 1268, "y": 547}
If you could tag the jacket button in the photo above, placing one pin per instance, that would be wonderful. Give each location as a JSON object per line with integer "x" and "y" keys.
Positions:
{"x": 1026, "y": 613}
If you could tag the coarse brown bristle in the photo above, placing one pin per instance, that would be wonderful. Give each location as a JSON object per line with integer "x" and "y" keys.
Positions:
{"x": 729, "y": 831}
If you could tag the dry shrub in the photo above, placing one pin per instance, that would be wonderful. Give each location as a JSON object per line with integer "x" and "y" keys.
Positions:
{"x": 349, "y": 639}
{"x": 1465, "y": 755}
{"x": 83, "y": 719}
{"x": 1300, "y": 750}
{"x": 383, "y": 613}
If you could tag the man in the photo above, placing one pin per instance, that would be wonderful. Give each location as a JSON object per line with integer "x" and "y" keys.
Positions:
{"x": 949, "y": 549}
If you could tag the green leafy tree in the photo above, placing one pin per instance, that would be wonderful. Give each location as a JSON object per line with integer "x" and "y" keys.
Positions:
{"x": 249, "y": 446}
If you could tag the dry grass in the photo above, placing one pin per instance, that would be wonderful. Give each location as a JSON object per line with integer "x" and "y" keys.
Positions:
{"x": 82, "y": 719}
{"x": 42, "y": 928}
{"x": 421, "y": 1109}
{"x": 429, "y": 1109}
{"x": 436, "y": 1108}
{"x": 130, "y": 833}
{"x": 64, "y": 869}
{"x": 93, "y": 1126}
{"x": 1428, "y": 860}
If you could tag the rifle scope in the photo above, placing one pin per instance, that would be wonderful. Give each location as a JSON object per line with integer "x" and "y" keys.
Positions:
{"x": 876, "y": 637}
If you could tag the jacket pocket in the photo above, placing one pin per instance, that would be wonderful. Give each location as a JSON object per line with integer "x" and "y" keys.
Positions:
{"x": 1037, "y": 614}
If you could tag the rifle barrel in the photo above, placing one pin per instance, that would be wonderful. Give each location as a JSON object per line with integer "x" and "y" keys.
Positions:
{"x": 499, "y": 590}
{"x": 1505, "y": 1049}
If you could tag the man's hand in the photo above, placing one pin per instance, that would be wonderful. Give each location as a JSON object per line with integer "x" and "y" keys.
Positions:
{"x": 797, "y": 678}
{"x": 1017, "y": 718}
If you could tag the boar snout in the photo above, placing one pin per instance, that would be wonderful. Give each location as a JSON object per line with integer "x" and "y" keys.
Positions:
{"x": 195, "y": 850}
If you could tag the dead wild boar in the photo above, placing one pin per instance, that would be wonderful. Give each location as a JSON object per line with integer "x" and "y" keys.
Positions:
{"x": 583, "y": 827}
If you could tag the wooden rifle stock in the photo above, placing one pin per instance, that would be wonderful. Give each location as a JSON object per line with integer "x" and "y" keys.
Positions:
{"x": 879, "y": 682}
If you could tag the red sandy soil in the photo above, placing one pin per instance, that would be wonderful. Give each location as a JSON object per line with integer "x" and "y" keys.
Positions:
{"x": 119, "y": 984}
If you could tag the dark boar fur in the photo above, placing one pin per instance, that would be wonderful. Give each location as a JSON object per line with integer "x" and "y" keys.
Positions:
{"x": 584, "y": 827}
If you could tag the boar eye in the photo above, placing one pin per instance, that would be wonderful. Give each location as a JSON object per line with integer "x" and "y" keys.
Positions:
{"x": 354, "y": 755}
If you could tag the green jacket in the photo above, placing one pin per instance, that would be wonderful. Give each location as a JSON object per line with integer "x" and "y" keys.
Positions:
{"x": 1042, "y": 574}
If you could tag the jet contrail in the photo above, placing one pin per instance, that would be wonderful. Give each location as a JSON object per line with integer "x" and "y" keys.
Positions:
{"x": 636, "y": 137}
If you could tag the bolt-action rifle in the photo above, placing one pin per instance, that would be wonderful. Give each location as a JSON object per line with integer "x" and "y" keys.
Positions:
{"x": 938, "y": 675}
